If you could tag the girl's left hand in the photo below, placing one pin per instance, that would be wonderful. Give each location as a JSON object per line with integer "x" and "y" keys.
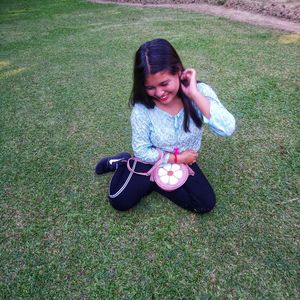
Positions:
{"x": 189, "y": 82}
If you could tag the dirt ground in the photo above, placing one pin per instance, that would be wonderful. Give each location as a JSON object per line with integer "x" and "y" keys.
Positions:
{"x": 276, "y": 14}
{"x": 288, "y": 9}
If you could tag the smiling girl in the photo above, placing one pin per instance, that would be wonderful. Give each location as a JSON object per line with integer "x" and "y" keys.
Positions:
{"x": 169, "y": 110}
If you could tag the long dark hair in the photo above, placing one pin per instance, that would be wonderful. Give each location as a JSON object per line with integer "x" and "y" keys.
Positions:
{"x": 156, "y": 56}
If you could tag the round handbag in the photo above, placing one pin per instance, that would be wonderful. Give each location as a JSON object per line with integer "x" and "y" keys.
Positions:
{"x": 169, "y": 177}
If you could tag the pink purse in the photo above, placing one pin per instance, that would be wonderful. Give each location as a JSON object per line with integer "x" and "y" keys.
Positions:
{"x": 167, "y": 176}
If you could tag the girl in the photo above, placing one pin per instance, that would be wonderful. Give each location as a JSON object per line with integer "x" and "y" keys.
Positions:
{"x": 169, "y": 110}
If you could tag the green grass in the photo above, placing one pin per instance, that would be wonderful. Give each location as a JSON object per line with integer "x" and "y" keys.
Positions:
{"x": 65, "y": 78}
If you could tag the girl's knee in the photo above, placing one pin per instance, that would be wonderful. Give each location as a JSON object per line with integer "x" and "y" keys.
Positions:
{"x": 207, "y": 205}
{"x": 120, "y": 204}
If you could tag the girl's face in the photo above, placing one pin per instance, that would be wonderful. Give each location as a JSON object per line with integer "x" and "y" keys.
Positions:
{"x": 162, "y": 86}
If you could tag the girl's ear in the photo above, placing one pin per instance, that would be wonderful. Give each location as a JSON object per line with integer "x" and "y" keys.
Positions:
{"x": 180, "y": 73}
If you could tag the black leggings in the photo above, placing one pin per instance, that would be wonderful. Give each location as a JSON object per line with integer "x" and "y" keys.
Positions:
{"x": 195, "y": 195}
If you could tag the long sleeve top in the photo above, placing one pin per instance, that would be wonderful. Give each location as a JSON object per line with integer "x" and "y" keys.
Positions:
{"x": 155, "y": 128}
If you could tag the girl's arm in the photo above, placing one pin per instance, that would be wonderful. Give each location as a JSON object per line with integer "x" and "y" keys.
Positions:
{"x": 141, "y": 144}
{"x": 189, "y": 87}
{"x": 185, "y": 157}
{"x": 218, "y": 118}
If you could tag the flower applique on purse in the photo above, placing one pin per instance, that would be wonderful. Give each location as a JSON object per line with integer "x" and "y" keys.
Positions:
{"x": 168, "y": 176}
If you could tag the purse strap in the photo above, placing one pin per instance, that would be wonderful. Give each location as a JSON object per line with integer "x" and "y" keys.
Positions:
{"x": 150, "y": 172}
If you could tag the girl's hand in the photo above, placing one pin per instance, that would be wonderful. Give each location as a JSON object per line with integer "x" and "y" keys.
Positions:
{"x": 187, "y": 157}
{"x": 189, "y": 82}
{"x": 189, "y": 87}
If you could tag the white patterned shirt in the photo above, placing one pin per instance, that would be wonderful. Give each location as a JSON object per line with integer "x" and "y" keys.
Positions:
{"x": 155, "y": 128}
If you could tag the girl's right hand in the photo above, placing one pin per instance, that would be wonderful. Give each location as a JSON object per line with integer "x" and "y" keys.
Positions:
{"x": 189, "y": 83}
{"x": 187, "y": 157}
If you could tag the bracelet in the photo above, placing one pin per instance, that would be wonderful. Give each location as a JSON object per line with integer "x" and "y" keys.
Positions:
{"x": 176, "y": 152}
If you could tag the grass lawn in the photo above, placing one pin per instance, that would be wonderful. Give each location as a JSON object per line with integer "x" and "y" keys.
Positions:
{"x": 65, "y": 79}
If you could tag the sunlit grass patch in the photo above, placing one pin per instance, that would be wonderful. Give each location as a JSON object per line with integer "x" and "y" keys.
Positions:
{"x": 14, "y": 72}
{"x": 4, "y": 63}
{"x": 289, "y": 38}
